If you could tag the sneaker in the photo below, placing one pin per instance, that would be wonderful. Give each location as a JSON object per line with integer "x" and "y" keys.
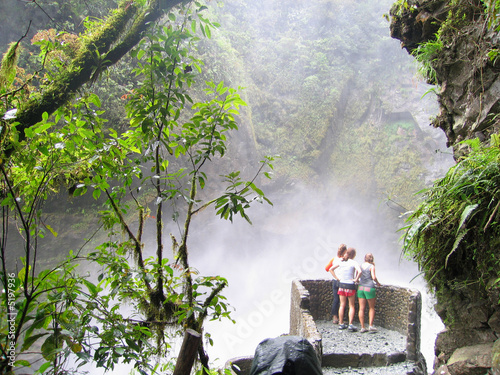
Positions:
{"x": 372, "y": 329}
{"x": 363, "y": 330}
{"x": 342, "y": 326}
{"x": 352, "y": 328}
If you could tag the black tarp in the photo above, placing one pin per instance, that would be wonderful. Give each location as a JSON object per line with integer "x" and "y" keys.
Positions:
{"x": 291, "y": 355}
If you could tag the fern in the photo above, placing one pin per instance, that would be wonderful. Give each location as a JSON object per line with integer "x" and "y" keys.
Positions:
{"x": 425, "y": 54}
{"x": 459, "y": 222}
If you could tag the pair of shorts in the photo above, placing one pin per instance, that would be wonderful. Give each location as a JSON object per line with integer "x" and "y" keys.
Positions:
{"x": 346, "y": 292}
{"x": 366, "y": 292}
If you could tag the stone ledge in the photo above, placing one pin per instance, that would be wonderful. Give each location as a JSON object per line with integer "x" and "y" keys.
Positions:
{"x": 362, "y": 360}
{"x": 398, "y": 309}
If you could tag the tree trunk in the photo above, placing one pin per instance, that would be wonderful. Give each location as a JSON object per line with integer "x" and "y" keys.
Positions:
{"x": 188, "y": 352}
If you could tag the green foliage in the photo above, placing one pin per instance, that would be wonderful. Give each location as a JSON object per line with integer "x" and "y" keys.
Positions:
{"x": 461, "y": 15}
{"x": 401, "y": 6}
{"x": 493, "y": 55}
{"x": 8, "y": 67}
{"x": 426, "y": 54}
{"x": 158, "y": 163}
{"x": 453, "y": 235}
{"x": 236, "y": 199}
{"x": 311, "y": 74}
{"x": 176, "y": 137}
{"x": 492, "y": 11}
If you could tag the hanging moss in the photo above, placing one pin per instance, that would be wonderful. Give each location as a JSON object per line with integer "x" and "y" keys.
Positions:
{"x": 78, "y": 72}
{"x": 93, "y": 57}
{"x": 8, "y": 66}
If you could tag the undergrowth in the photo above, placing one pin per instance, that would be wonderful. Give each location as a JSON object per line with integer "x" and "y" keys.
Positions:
{"x": 454, "y": 234}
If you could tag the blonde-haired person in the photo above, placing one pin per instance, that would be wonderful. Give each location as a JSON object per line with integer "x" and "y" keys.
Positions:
{"x": 335, "y": 285}
{"x": 367, "y": 293}
{"x": 346, "y": 272}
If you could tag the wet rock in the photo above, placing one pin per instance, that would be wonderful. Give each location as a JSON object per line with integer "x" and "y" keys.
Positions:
{"x": 416, "y": 22}
{"x": 442, "y": 370}
{"x": 469, "y": 81}
{"x": 495, "y": 358}
{"x": 449, "y": 340}
{"x": 494, "y": 322}
{"x": 471, "y": 360}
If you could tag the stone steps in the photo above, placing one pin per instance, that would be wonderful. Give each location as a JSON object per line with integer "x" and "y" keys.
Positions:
{"x": 403, "y": 368}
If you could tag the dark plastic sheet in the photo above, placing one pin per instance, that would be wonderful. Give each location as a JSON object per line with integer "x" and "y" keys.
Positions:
{"x": 290, "y": 355}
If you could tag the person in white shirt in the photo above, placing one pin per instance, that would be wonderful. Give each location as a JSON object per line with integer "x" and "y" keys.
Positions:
{"x": 346, "y": 272}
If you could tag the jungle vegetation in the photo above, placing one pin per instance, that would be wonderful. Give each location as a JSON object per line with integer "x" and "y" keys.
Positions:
{"x": 54, "y": 137}
{"x": 453, "y": 234}
{"x": 322, "y": 92}
{"x": 457, "y": 224}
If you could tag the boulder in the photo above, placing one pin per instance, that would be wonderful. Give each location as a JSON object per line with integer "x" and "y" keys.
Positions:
{"x": 494, "y": 322}
{"x": 449, "y": 340}
{"x": 471, "y": 360}
{"x": 495, "y": 358}
{"x": 442, "y": 370}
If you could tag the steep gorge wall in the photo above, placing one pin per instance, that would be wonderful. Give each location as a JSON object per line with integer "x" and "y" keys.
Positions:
{"x": 468, "y": 88}
{"x": 466, "y": 75}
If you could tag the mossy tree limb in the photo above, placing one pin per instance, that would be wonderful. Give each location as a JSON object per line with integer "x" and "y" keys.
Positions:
{"x": 83, "y": 67}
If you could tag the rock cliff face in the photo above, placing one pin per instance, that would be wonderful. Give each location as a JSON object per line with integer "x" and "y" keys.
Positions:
{"x": 466, "y": 75}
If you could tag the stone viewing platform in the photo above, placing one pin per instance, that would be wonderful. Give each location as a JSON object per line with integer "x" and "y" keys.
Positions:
{"x": 347, "y": 352}
{"x": 394, "y": 349}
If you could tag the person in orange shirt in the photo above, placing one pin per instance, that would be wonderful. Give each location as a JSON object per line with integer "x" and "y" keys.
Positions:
{"x": 336, "y": 300}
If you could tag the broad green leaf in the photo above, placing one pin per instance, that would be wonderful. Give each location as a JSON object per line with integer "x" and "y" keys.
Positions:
{"x": 31, "y": 340}
{"x": 96, "y": 193}
{"x": 44, "y": 367}
{"x": 22, "y": 362}
{"x": 50, "y": 346}
{"x": 93, "y": 289}
{"x": 120, "y": 350}
{"x": 93, "y": 98}
{"x": 76, "y": 348}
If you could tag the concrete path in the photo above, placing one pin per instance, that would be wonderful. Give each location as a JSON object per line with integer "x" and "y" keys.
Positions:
{"x": 349, "y": 353}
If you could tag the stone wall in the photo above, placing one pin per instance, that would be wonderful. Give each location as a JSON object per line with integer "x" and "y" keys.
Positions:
{"x": 397, "y": 309}
{"x": 301, "y": 320}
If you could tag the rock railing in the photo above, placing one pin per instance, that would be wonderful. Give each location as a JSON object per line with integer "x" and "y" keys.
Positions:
{"x": 398, "y": 309}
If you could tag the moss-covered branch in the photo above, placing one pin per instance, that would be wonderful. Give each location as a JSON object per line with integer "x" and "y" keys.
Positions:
{"x": 114, "y": 32}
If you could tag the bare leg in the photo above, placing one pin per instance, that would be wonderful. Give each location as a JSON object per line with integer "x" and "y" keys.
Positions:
{"x": 371, "y": 311}
{"x": 343, "y": 302}
{"x": 351, "y": 308}
{"x": 361, "y": 313}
